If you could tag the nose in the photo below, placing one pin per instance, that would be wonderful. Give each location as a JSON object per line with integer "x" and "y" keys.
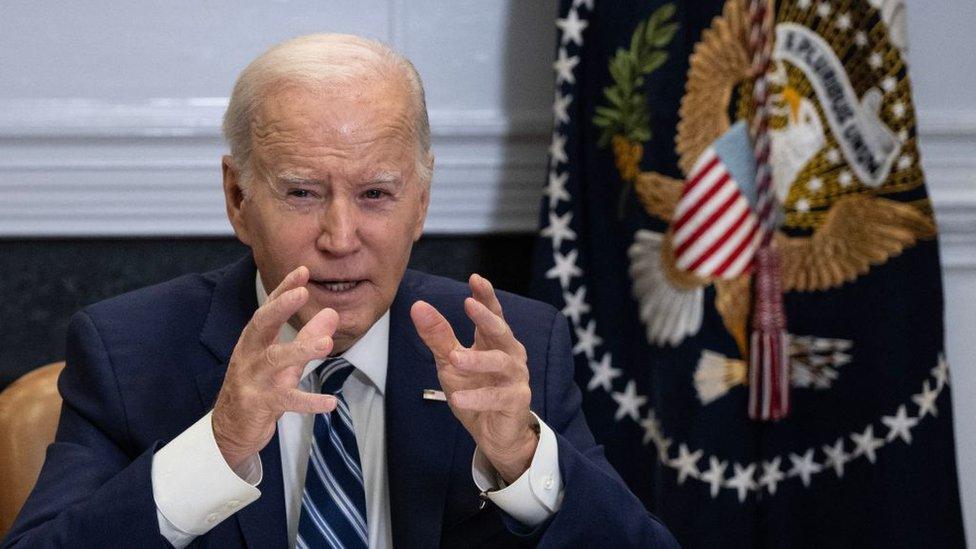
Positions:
{"x": 339, "y": 228}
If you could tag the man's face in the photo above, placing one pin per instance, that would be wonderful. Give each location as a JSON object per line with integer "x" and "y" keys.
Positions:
{"x": 334, "y": 187}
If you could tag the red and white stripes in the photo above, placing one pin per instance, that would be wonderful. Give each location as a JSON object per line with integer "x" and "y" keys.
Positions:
{"x": 715, "y": 232}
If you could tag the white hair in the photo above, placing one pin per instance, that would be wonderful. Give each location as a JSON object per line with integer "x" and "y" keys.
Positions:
{"x": 320, "y": 60}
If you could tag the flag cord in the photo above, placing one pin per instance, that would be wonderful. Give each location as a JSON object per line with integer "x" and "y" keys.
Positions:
{"x": 769, "y": 375}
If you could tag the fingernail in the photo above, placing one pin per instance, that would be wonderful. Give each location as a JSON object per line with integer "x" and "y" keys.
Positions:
{"x": 323, "y": 344}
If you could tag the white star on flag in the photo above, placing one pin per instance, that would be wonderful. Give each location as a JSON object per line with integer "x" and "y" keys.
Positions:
{"x": 836, "y": 457}
{"x": 845, "y": 178}
{"x": 557, "y": 150}
{"x": 875, "y": 60}
{"x": 572, "y": 27}
{"x": 587, "y": 340}
{"x": 861, "y": 39}
{"x": 715, "y": 475}
{"x": 900, "y": 425}
{"x": 564, "y": 66}
{"x": 742, "y": 480}
{"x": 804, "y": 4}
{"x": 898, "y": 109}
{"x": 941, "y": 373}
{"x": 926, "y": 401}
{"x": 823, "y": 9}
{"x": 565, "y": 268}
{"x": 904, "y": 162}
{"x": 560, "y": 107}
{"x": 804, "y": 467}
{"x": 628, "y": 402}
{"x": 576, "y": 305}
{"x": 558, "y": 229}
{"x": 771, "y": 475}
{"x": 888, "y": 84}
{"x": 843, "y": 22}
{"x": 662, "y": 450}
{"x": 603, "y": 374}
{"x": 833, "y": 156}
{"x": 865, "y": 443}
{"x": 587, "y": 3}
{"x": 556, "y": 189}
{"x": 686, "y": 463}
{"x": 652, "y": 428}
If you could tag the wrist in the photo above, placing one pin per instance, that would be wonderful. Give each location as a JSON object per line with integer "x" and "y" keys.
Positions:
{"x": 512, "y": 464}
{"x": 232, "y": 457}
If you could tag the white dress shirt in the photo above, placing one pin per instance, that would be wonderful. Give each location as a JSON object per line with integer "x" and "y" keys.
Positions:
{"x": 195, "y": 489}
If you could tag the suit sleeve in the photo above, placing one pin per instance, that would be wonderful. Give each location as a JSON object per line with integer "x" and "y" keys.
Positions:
{"x": 598, "y": 509}
{"x": 94, "y": 490}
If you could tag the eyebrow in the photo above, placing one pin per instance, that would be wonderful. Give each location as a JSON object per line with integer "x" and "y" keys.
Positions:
{"x": 295, "y": 179}
{"x": 384, "y": 177}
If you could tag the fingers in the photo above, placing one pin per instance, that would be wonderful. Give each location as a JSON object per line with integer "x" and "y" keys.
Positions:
{"x": 294, "y": 279}
{"x": 283, "y": 302}
{"x": 494, "y": 362}
{"x": 302, "y": 402}
{"x": 434, "y": 330}
{"x": 323, "y": 324}
{"x": 296, "y": 353}
{"x": 483, "y": 291}
{"x": 507, "y": 398}
{"x": 267, "y": 320}
{"x": 492, "y": 328}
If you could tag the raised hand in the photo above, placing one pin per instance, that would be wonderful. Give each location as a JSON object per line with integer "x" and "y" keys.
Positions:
{"x": 262, "y": 378}
{"x": 487, "y": 384}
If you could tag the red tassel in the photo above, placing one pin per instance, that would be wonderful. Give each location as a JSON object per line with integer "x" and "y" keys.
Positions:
{"x": 769, "y": 357}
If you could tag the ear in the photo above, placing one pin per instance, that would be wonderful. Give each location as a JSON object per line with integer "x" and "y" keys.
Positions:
{"x": 234, "y": 198}
{"x": 424, "y": 199}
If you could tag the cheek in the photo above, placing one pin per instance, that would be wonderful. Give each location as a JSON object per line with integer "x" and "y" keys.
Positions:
{"x": 284, "y": 241}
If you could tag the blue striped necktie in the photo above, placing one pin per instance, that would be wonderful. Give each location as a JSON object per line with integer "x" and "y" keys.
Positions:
{"x": 334, "y": 500}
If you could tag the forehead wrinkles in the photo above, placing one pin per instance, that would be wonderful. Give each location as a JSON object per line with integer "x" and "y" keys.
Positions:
{"x": 334, "y": 118}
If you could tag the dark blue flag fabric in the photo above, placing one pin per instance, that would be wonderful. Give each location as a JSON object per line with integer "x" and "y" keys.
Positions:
{"x": 645, "y": 88}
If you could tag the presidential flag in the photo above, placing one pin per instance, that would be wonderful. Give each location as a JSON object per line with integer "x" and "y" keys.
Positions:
{"x": 648, "y": 245}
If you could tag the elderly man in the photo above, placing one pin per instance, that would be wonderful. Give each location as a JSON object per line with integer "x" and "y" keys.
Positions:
{"x": 356, "y": 403}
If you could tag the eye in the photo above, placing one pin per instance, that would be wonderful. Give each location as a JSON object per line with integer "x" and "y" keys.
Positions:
{"x": 374, "y": 194}
{"x": 299, "y": 193}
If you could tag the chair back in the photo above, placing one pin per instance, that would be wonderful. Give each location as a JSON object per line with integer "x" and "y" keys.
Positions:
{"x": 29, "y": 412}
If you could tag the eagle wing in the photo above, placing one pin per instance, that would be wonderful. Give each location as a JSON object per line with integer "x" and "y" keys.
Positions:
{"x": 658, "y": 193}
{"x": 858, "y": 232}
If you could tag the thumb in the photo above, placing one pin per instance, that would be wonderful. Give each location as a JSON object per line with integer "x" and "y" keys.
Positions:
{"x": 434, "y": 330}
{"x": 323, "y": 324}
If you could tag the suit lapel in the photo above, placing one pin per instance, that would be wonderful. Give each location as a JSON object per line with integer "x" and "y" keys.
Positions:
{"x": 262, "y": 523}
{"x": 420, "y": 433}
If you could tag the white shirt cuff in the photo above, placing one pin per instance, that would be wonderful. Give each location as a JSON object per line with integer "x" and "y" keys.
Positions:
{"x": 194, "y": 487}
{"x": 537, "y": 494}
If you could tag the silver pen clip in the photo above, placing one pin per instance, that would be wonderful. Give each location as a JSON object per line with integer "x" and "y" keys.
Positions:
{"x": 433, "y": 394}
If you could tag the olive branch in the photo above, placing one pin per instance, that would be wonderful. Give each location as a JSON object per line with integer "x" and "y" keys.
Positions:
{"x": 629, "y": 114}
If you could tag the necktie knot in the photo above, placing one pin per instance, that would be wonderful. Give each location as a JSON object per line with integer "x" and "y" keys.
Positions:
{"x": 333, "y": 372}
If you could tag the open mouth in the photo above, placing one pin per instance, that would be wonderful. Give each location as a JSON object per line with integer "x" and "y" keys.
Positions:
{"x": 338, "y": 286}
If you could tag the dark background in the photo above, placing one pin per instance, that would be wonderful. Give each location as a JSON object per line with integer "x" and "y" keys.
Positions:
{"x": 44, "y": 281}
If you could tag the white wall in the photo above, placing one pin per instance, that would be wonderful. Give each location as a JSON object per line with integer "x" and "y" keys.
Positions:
{"x": 107, "y": 108}
{"x": 109, "y": 116}
{"x": 943, "y": 70}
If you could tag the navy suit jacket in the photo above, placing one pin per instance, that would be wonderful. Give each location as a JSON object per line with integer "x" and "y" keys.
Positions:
{"x": 144, "y": 366}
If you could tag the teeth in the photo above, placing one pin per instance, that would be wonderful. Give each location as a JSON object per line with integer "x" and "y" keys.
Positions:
{"x": 338, "y": 286}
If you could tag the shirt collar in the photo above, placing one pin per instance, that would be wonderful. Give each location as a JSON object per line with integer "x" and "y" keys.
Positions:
{"x": 369, "y": 354}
